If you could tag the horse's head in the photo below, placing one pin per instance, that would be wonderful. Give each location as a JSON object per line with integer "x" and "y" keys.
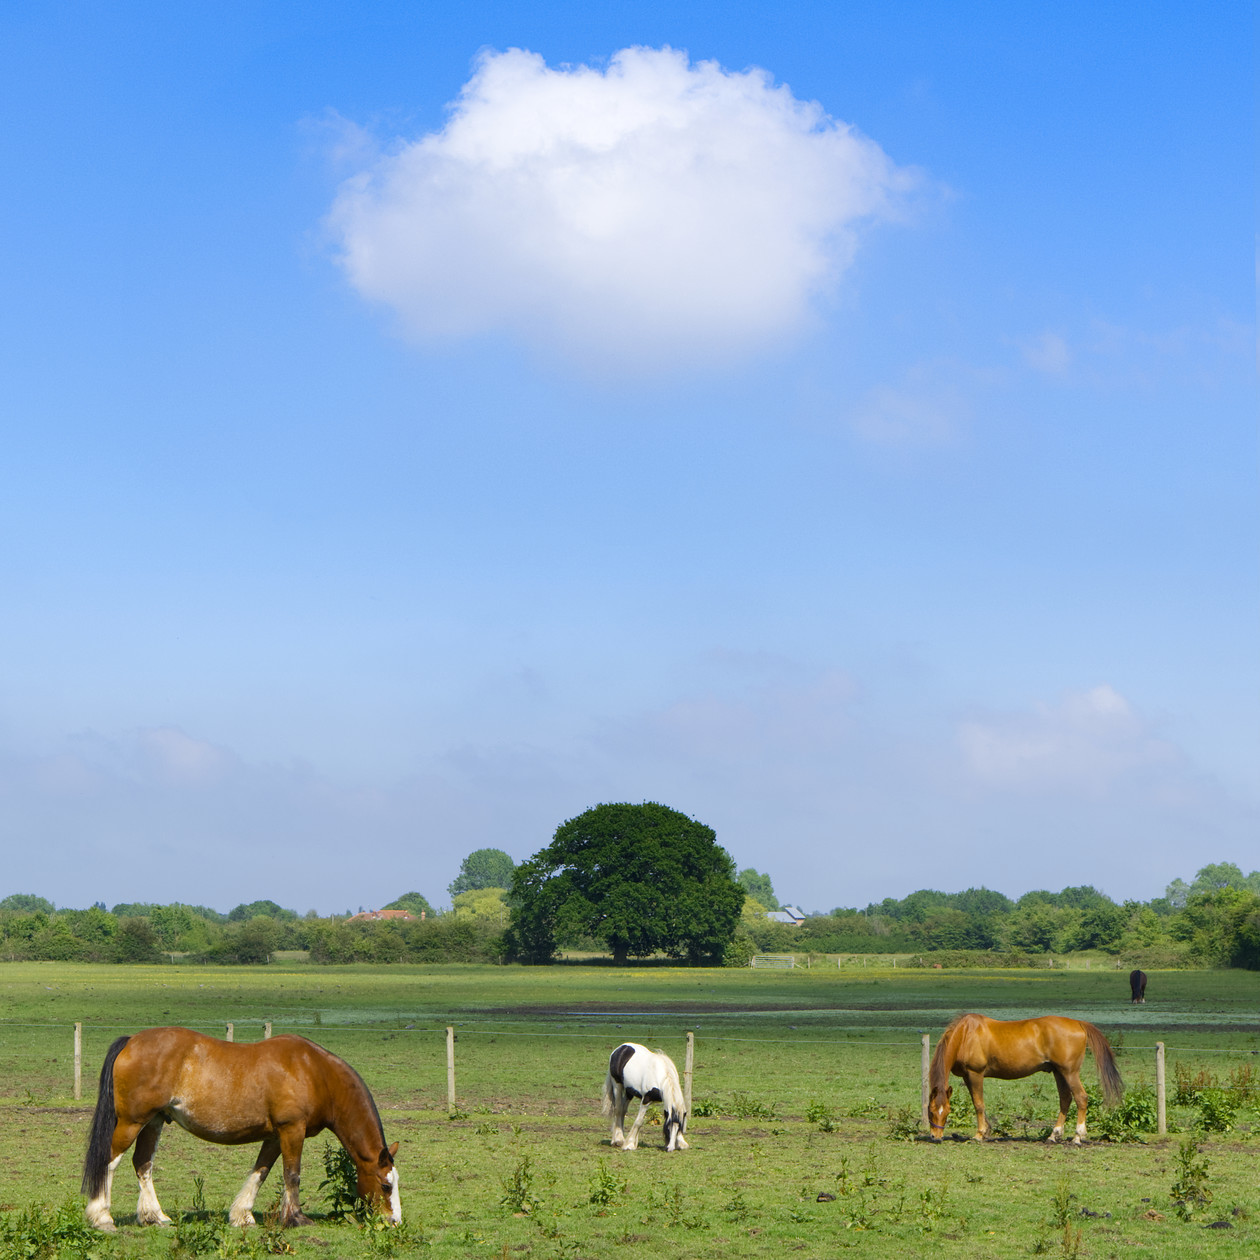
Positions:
{"x": 674, "y": 1127}
{"x": 378, "y": 1184}
{"x": 938, "y": 1110}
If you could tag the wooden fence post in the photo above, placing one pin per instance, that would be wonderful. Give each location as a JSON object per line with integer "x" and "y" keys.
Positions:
{"x": 450, "y": 1069}
{"x": 688, "y": 1069}
{"x": 78, "y": 1061}
{"x": 231, "y": 1032}
{"x": 923, "y": 1089}
{"x": 267, "y": 1030}
{"x": 1161, "y": 1110}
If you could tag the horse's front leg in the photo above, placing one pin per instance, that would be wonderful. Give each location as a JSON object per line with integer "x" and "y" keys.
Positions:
{"x": 241, "y": 1213}
{"x": 291, "y": 1139}
{"x": 148, "y": 1209}
{"x": 975, "y": 1087}
{"x": 632, "y": 1138}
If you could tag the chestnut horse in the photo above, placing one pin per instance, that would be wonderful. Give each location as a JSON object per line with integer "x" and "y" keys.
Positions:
{"x": 278, "y": 1092}
{"x": 975, "y": 1046}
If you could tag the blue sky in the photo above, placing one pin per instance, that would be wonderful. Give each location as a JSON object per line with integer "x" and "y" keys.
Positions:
{"x": 837, "y": 423}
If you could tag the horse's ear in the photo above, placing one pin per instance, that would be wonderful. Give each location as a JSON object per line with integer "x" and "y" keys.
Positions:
{"x": 393, "y": 1150}
{"x": 949, "y": 1092}
{"x": 387, "y": 1155}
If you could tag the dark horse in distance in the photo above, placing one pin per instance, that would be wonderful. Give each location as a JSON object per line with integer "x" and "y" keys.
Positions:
{"x": 1137, "y": 985}
{"x": 278, "y": 1092}
{"x": 975, "y": 1046}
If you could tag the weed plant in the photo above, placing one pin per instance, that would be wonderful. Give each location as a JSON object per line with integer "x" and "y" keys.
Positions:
{"x": 1190, "y": 1192}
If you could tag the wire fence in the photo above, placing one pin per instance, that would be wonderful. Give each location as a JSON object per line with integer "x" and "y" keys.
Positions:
{"x": 46, "y": 1060}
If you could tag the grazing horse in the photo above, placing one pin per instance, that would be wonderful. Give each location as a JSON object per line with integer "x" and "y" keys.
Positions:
{"x": 278, "y": 1092}
{"x": 975, "y": 1046}
{"x": 1137, "y": 985}
{"x": 634, "y": 1071}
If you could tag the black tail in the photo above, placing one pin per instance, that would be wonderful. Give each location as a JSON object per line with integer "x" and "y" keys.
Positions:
{"x": 101, "y": 1139}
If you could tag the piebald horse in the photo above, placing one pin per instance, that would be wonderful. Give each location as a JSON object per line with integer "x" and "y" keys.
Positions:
{"x": 975, "y": 1046}
{"x": 278, "y": 1092}
{"x": 634, "y": 1071}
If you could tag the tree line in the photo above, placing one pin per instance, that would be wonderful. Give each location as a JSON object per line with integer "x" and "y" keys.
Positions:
{"x": 638, "y": 881}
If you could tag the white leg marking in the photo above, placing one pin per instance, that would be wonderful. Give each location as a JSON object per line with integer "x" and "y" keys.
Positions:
{"x": 1080, "y": 1135}
{"x": 240, "y": 1213}
{"x": 98, "y": 1213}
{"x": 148, "y": 1209}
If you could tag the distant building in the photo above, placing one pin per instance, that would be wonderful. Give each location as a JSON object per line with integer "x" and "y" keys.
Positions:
{"x": 788, "y": 914}
{"x": 367, "y": 915}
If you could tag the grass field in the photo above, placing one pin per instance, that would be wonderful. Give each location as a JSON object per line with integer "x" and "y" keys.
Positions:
{"x": 804, "y": 1077}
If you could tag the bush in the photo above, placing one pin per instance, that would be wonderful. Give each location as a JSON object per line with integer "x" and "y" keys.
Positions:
{"x": 136, "y": 942}
{"x": 739, "y": 953}
{"x": 1136, "y": 1114}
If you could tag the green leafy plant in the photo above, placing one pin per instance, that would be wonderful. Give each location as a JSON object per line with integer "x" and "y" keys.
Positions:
{"x": 904, "y": 1124}
{"x": 518, "y": 1188}
{"x": 823, "y": 1116}
{"x": 1217, "y": 1110}
{"x": 1127, "y": 1121}
{"x": 737, "y": 1208}
{"x": 606, "y": 1188}
{"x": 1190, "y": 1192}
{"x": 745, "y": 1107}
{"x": 341, "y": 1185}
{"x": 43, "y": 1233}
{"x": 706, "y": 1107}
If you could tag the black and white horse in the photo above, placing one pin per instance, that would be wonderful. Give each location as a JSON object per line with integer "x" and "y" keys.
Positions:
{"x": 634, "y": 1071}
{"x": 1137, "y": 985}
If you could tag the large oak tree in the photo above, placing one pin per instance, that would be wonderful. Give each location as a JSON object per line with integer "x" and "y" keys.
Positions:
{"x": 640, "y": 878}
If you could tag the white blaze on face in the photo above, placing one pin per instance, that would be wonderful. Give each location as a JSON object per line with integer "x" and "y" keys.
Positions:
{"x": 395, "y": 1203}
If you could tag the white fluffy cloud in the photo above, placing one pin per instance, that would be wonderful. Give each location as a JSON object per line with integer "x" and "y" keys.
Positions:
{"x": 648, "y": 215}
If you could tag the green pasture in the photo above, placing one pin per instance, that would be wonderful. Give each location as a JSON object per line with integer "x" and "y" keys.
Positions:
{"x": 809, "y": 1078}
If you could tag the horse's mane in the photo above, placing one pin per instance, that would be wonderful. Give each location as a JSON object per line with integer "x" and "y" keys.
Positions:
{"x": 357, "y": 1080}
{"x": 943, "y": 1058}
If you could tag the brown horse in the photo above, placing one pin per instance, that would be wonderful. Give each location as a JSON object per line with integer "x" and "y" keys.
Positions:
{"x": 278, "y": 1092}
{"x": 975, "y": 1046}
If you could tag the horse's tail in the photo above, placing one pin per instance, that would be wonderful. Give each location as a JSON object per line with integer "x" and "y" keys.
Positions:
{"x": 101, "y": 1137}
{"x": 1104, "y": 1056}
{"x": 609, "y": 1096}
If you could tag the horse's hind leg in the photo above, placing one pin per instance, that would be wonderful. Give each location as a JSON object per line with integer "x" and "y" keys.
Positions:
{"x": 148, "y": 1209}
{"x": 241, "y": 1212}
{"x": 1066, "y": 1093}
{"x": 620, "y": 1101}
{"x": 98, "y": 1213}
{"x": 1077, "y": 1090}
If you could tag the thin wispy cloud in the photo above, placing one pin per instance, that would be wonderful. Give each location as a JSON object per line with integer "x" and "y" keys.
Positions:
{"x": 643, "y": 216}
{"x": 1089, "y": 741}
